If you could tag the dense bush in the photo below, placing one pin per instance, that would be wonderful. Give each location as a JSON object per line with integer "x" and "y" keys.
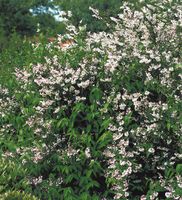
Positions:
{"x": 99, "y": 118}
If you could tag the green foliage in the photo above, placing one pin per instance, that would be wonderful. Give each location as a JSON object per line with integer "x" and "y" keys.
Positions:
{"x": 12, "y": 176}
{"x": 48, "y": 26}
{"x": 19, "y": 52}
{"x": 22, "y": 17}
{"x": 17, "y": 195}
{"x": 16, "y": 16}
{"x": 81, "y": 12}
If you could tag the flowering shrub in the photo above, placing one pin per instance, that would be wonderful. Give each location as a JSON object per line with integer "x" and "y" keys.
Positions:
{"x": 100, "y": 118}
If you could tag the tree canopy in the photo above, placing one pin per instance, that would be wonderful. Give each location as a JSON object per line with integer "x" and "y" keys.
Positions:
{"x": 80, "y": 11}
{"x": 16, "y": 16}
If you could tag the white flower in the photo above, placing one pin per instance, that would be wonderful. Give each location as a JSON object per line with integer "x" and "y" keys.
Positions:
{"x": 168, "y": 194}
{"x": 69, "y": 13}
{"x": 122, "y": 106}
{"x": 87, "y": 152}
{"x": 151, "y": 150}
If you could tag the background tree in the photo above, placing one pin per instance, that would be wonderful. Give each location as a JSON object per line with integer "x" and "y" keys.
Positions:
{"x": 80, "y": 11}
{"x": 17, "y": 16}
{"x": 21, "y": 17}
{"x": 48, "y": 25}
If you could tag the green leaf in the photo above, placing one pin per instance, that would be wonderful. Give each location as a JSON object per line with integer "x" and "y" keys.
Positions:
{"x": 105, "y": 124}
{"x": 84, "y": 196}
{"x": 168, "y": 126}
{"x": 95, "y": 94}
{"x": 63, "y": 123}
{"x": 127, "y": 119}
{"x": 179, "y": 169}
{"x": 104, "y": 139}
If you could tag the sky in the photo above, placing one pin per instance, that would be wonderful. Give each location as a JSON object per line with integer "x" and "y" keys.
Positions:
{"x": 56, "y": 12}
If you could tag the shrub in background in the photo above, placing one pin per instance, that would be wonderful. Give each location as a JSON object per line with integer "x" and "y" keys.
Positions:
{"x": 99, "y": 118}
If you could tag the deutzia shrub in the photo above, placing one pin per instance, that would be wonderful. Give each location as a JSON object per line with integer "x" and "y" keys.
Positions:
{"x": 100, "y": 117}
